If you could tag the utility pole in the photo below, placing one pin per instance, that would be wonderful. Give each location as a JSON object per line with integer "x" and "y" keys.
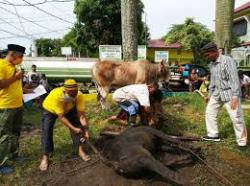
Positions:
{"x": 33, "y": 49}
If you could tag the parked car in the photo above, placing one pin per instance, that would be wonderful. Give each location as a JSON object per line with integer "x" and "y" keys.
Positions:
{"x": 179, "y": 75}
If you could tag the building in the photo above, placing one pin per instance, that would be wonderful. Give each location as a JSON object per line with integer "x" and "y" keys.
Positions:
{"x": 241, "y": 28}
{"x": 157, "y": 49}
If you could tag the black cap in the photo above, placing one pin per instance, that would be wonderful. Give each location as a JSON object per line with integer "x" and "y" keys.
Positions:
{"x": 209, "y": 46}
{"x": 240, "y": 72}
{"x": 16, "y": 48}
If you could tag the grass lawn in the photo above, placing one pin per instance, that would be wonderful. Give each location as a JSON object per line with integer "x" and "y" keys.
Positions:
{"x": 185, "y": 117}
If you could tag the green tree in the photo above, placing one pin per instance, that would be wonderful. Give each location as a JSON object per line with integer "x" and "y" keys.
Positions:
{"x": 99, "y": 22}
{"x": 49, "y": 47}
{"x": 191, "y": 35}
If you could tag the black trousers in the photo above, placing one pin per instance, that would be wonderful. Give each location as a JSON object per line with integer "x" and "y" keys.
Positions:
{"x": 47, "y": 126}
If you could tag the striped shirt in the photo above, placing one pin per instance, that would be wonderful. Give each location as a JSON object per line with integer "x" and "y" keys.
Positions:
{"x": 224, "y": 82}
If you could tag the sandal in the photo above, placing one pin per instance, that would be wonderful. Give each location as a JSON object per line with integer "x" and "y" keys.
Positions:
{"x": 44, "y": 165}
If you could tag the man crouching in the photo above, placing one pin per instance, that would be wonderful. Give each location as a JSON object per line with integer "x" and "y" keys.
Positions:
{"x": 135, "y": 99}
{"x": 67, "y": 104}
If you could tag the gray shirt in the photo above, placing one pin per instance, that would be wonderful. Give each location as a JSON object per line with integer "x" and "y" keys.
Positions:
{"x": 224, "y": 83}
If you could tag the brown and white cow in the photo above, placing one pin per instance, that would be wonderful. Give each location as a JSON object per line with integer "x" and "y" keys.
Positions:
{"x": 118, "y": 74}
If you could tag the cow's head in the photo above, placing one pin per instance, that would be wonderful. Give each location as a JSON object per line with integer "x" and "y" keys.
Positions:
{"x": 164, "y": 73}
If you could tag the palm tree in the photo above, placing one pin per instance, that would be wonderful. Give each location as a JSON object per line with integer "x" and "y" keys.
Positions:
{"x": 129, "y": 29}
{"x": 224, "y": 24}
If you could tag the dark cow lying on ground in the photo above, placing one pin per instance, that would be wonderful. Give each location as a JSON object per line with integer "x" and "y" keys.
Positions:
{"x": 140, "y": 148}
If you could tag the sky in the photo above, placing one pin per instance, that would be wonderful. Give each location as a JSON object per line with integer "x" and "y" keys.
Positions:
{"x": 160, "y": 15}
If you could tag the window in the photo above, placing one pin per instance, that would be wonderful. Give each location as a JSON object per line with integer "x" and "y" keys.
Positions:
{"x": 240, "y": 28}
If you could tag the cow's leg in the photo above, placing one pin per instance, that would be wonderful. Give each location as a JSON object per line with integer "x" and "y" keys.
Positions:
{"x": 172, "y": 158}
{"x": 102, "y": 94}
{"x": 154, "y": 165}
{"x": 166, "y": 139}
{"x": 138, "y": 158}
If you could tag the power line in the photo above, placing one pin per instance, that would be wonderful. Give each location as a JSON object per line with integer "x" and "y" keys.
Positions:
{"x": 40, "y": 3}
{"x": 24, "y": 36}
{"x": 23, "y": 21}
{"x": 41, "y": 26}
{"x": 22, "y": 30}
{"x": 19, "y": 18}
{"x": 14, "y": 26}
{"x": 14, "y": 34}
{"x": 48, "y": 12}
{"x": 59, "y": 10}
{"x": 11, "y": 18}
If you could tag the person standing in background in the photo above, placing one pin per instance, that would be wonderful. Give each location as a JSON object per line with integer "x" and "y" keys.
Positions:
{"x": 245, "y": 84}
{"x": 25, "y": 78}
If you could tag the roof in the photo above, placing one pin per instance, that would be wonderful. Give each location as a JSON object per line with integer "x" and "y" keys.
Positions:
{"x": 246, "y": 43}
{"x": 159, "y": 43}
{"x": 242, "y": 7}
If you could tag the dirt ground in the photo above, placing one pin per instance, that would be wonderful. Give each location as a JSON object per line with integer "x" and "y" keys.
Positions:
{"x": 74, "y": 172}
{"x": 186, "y": 117}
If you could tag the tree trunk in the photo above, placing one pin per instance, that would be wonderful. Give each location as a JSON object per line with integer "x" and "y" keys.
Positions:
{"x": 129, "y": 29}
{"x": 224, "y": 24}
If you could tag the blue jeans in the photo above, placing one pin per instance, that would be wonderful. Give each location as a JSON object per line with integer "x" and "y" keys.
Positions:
{"x": 131, "y": 107}
{"x": 47, "y": 125}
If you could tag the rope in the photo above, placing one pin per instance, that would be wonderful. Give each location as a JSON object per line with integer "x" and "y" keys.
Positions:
{"x": 219, "y": 176}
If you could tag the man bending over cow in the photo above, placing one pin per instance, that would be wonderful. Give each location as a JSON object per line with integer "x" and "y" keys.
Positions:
{"x": 134, "y": 99}
{"x": 67, "y": 104}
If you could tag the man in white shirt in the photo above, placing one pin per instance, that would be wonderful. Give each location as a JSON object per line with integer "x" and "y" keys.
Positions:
{"x": 244, "y": 83}
{"x": 33, "y": 73}
{"x": 131, "y": 97}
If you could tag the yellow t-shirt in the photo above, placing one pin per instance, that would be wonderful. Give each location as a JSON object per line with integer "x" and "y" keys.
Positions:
{"x": 11, "y": 96}
{"x": 55, "y": 103}
{"x": 204, "y": 87}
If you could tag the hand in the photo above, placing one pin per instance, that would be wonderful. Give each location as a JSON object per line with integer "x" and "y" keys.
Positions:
{"x": 234, "y": 103}
{"x": 86, "y": 134}
{"x": 151, "y": 122}
{"x": 206, "y": 99}
{"x": 77, "y": 130}
{"x": 18, "y": 75}
{"x": 147, "y": 109}
{"x": 28, "y": 91}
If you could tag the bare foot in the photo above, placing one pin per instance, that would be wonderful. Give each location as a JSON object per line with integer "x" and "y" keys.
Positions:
{"x": 112, "y": 118}
{"x": 44, "y": 165}
{"x": 83, "y": 155}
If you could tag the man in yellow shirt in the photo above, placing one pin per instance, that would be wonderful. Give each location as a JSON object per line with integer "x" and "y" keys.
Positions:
{"x": 67, "y": 104}
{"x": 11, "y": 103}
